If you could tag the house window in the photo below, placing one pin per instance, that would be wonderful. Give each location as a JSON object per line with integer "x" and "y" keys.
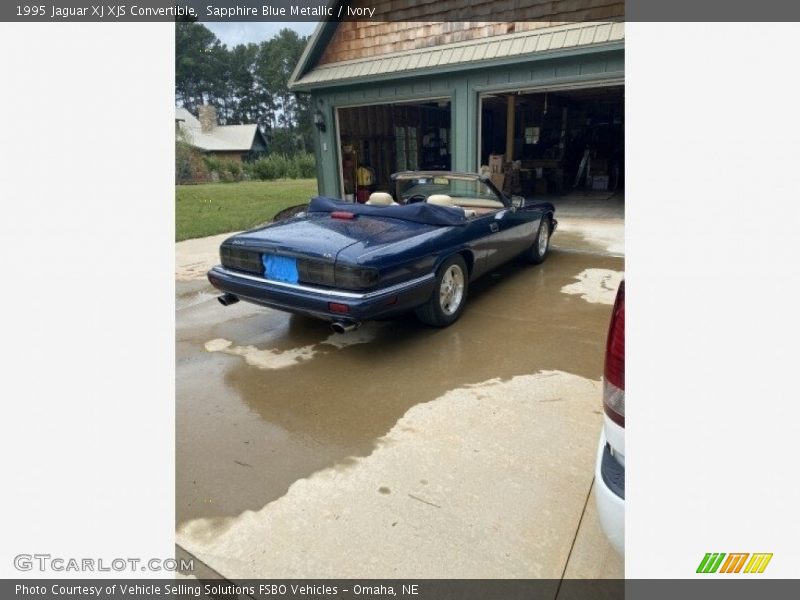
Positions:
{"x": 532, "y": 135}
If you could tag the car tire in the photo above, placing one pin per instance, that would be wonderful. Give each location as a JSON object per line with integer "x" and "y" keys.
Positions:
{"x": 449, "y": 296}
{"x": 537, "y": 253}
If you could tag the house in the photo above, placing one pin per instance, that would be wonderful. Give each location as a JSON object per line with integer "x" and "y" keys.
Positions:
{"x": 543, "y": 97}
{"x": 238, "y": 142}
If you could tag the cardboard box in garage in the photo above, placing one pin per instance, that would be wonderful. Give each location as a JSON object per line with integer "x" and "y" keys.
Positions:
{"x": 498, "y": 179}
{"x": 496, "y": 163}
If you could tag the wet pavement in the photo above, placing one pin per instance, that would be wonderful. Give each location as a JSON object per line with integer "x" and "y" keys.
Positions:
{"x": 399, "y": 450}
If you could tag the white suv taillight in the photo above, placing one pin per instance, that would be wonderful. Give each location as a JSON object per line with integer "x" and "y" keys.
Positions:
{"x": 614, "y": 380}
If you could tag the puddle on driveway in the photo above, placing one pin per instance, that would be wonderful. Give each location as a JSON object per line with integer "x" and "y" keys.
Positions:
{"x": 487, "y": 480}
{"x": 363, "y": 335}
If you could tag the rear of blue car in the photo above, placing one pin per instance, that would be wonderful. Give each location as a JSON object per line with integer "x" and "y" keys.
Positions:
{"x": 265, "y": 267}
{"x": 331, "y": 304}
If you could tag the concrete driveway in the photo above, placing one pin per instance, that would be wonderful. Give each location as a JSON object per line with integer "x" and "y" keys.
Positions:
{"x": 398, "y": 450}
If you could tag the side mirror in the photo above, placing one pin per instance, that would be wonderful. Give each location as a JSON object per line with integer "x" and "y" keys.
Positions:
{"x": 517, "y": 201}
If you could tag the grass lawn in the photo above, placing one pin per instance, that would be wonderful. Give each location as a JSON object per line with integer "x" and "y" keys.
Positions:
{"x": 211, "y": 208}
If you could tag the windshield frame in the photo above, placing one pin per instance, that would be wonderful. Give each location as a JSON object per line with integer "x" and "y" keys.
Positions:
{"x": 397, "y": 178}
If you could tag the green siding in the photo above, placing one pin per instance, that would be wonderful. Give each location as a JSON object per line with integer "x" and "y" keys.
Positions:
{"x": 462, "y": 88}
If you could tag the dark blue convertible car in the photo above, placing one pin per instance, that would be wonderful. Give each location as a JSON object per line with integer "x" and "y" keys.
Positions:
{"x": 417, "y": 248}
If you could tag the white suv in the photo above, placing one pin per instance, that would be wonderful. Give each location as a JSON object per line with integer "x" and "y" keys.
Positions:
{"x": 610, "y": 465}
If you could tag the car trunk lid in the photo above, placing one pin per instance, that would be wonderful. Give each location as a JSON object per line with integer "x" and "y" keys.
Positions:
{"x": 315, "y": 241}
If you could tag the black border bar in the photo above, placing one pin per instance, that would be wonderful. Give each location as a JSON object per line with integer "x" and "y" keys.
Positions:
{"x": 703, "y": 588}
{"x": 398, "y": 10}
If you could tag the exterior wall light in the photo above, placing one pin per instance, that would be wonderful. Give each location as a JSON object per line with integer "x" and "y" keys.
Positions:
{"x": 319, "y": 120}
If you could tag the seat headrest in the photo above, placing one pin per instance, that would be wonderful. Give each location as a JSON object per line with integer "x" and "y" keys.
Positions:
{"x": 440, "y": 200}
{"x": 380, "y": 199}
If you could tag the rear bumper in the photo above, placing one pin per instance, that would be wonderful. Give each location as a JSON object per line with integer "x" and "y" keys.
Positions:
{"x": 315, "y": 302}
{"x": 609, "y": 479}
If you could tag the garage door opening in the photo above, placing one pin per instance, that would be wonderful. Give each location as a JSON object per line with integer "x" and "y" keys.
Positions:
{"x": 555, "y": 143}
{"x": 378, "y": 140}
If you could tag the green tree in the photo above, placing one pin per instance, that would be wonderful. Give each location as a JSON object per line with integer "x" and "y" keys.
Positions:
{"x": 275, "y": 65}
{"x": 197, "y": 53}
{"x": 248, "y": 83}
{"x": 252, "y": 100}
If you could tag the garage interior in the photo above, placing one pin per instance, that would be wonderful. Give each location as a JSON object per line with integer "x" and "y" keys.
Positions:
{"x": 555, "y": 143}
{"x": 378, "y": 140}
{"x": 566, "y": 143}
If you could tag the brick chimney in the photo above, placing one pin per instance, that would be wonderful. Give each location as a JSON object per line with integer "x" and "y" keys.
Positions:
{"x": 207, "y": 115}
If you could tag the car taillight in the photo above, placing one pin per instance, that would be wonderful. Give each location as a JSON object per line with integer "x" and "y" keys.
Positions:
{"x": 241, "y": 259}
{"x": 355, "y": 278}
{"x": 614, "y": 380}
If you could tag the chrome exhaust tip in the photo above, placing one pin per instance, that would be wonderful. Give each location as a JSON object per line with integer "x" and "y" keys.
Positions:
{"x": 344, "y": 326}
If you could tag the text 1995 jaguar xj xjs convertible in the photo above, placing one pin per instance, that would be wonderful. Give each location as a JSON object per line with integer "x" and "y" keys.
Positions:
{"x": 416, "y": 249}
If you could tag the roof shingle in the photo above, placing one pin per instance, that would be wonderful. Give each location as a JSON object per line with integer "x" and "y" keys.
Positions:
{"x": 470, "y": 53}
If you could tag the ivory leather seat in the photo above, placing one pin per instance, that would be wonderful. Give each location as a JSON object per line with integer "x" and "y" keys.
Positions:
{"x": 380, "y": 199}
{"x": 445, "y": 200}
{"x": 440, "y": 200}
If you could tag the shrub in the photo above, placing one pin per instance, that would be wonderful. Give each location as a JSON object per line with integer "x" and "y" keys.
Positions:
{"x": 234, "y": 169}
{"x": 212, "y": 163}
{"x": 265, "y": 168}
{"x": 280, "y": 166}
{"x": 306, "y": 165}
{"x": 248, "y": 170}
{"x": 226, "y": 170}
{"x": 189, "y": 164}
